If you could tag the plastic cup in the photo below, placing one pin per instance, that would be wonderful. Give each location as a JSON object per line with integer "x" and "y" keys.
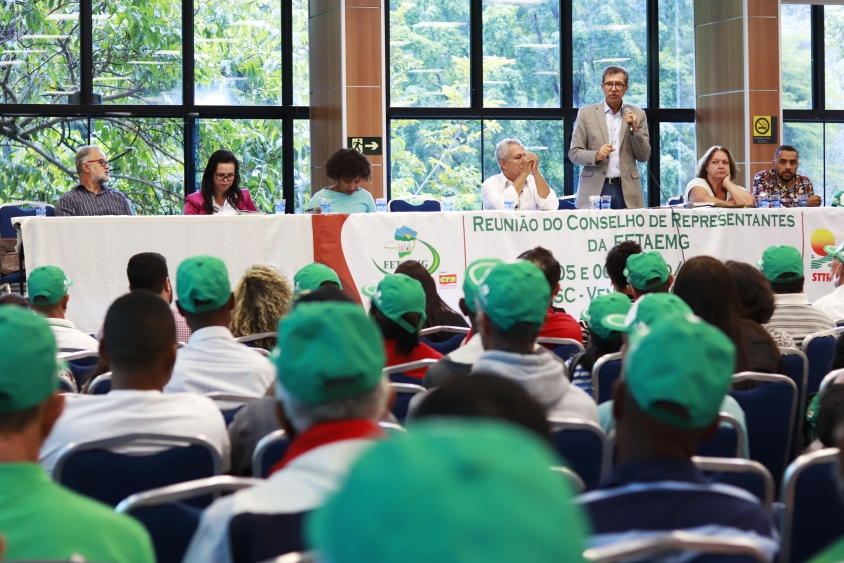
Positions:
{"x": 280, "y": 206}
{"x": 448, "y": 203}
{"x": 606, "y": 202}
{"x": 802, "y": 200}
{"x": 762, "y": 200}
{"x": 774, "y": 200}
{"x": 509, "y": 204}
{"x": 594, "y": 202}
{"x": 324, "y": 205}
{"x": 40, "y": 211}
{"x": 381, "y": 204}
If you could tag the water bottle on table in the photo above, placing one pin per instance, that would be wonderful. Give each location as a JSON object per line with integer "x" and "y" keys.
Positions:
{"x": 774, "y": 200}
{"x": 324, "y": 205}
{"x": 280, "y": 206}
{"x": 381, "y": 204}
{"x": 606, "y": 202}
{"x": 40, "y": 210}
{"x": 448, "y": 203}
{"x": 595, "y": 202}
{"x": 762, "y": 200}
{"x": 803, "y": 200}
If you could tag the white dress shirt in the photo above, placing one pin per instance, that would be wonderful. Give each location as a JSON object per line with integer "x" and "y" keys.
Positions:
{"x": 214, "y": 361}
{"x": 98, "y": 417}
{"x": 67, "y": 336}
{"x": 226, "y": 208}
{"x": 832, "y": 305}
{"x": 495, "y": 187}
{"x": 614, "y": 124}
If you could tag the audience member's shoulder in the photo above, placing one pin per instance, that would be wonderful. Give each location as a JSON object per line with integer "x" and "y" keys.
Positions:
{"x": 93, "y": 515}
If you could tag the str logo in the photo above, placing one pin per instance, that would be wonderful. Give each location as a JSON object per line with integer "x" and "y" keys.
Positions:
{"x": 820, "y": 259}
{"x": 404, "y": 244}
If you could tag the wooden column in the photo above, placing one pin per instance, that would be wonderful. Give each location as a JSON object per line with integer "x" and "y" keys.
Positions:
{"x": 347, "y": 77}
{"x": 737, "y": 76}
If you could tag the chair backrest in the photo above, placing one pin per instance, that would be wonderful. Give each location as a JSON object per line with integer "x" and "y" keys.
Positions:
{"x": 839, "y": 322}
{"x": 254, "y": 337}
{"x": 230, "y": 403}
{"x": 828, "y": 379}
{"x": 650, "y": 548}
{"x": 443, "y": 328}
{"x": 769, "y": 411}
{"x": 565, "y": 348}
{"x": 742, "y": 473}
{"x": 584, "y": 446}
{"x": 170, "y": 522}
{"x": 402, "y": 205}
{"x": 727, "y": 442}
{"x": 9, "y": 211}
{"x": 268, "y": 451}
{"x": 92, "y": 469}
{"x": 819, "y": 348}
{"x": 573, "y": 478}
{"x": 446, "y": 346}
{"x": 404, "y": 393}
{"x": 814, "y": 516}
{"x": 797, "y": 368}
{"x": 604, "y": 373}
{"x": 100, "y": 385}
{"x": 66, "y": 384}
{"x": 398, "y": 372}
{"x": 81, "y": 364}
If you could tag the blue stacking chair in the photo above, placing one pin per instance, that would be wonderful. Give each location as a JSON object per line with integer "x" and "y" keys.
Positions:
{"x": 397, "y": 374}
{"x": 66, "y": 384}
{"x": 402, "y": 206}
{"x": 565, "y": 348}
{"x": 769, "y": 411}
{"x": 268, "y": 451}
{"x": 727, "y": 442}
{"x": 797, "y": 368}
{"x": 565, "y": 204}
{"x": 742, "y": 473}
{"x": 170, "y": 521}
{"x": 819, "y": 349}
{"x": 404, "y": 393}
{"x": 9, "y": 211}
{"x": 604, "y": 373}
{"x": 101, "y": 384}
{"x": 81, "y": 364}
{"x": 697, "y": 547}
{"x": 814, "y": 516}
{"x": 223, "y": 397}
{"x": 92, "y": 469}
{"x": 584, "y": 446}
{"x": 447, "y": 346}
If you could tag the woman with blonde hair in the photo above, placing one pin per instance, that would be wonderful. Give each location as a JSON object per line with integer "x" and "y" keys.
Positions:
{"x": 714, "y": 182}
{"x": 260, "y": 301}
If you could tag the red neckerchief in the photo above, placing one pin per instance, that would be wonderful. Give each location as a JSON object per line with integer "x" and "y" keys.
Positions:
{"x": 327, "y": 433}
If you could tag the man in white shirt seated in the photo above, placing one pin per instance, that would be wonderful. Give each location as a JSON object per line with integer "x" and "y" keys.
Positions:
{"x": 832, "y": 305}
{"x": 213, "y": 360}
{"x": 47, "y": 287}
{"x": 519, "y": 182}
{"x": 332, "y": 394}
{"x": 139, "y": 343}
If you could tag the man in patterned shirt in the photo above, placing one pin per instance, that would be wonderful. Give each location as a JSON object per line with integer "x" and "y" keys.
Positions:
{"x": 92, "y": 196}
{"x": 784, "y": 179}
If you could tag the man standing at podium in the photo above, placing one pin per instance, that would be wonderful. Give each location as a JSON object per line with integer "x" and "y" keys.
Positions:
{"x": 609, "y": 137}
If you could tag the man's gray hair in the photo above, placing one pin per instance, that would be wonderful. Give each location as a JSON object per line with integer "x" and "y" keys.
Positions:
{"x": 368, "y": 406}
{"x": 82, "y": 156}
{"x": 615, "y": 70}
{"x": 502, "y": 149}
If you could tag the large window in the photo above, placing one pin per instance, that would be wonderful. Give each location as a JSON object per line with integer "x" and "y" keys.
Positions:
{"x": 465, "y": 74}
{"x": 132, "y": 78}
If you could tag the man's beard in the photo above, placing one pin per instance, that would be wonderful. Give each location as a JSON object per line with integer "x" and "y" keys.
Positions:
{"x": 783, "y": 180}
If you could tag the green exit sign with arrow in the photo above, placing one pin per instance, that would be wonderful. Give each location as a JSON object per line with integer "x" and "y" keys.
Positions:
{"x": 366, "y": 145}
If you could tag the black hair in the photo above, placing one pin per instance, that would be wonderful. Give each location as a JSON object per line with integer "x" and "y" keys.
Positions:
{"x": 348, "y": 164}
{"x": 546, "y": 262}
{"x": 327, "y": 291}
{"x": 519, "y": 335}
{"x": 782, "y": 288}
{"x": 598, "y": 348}
{"x": 147, "y": 270}
{"x": 233, "y": 195}
{"x": 830, "y": 414}
{"x": 15, "y": 299}
{"x": 18, "y": 421}
{"x": 617, "y": 261}
{"x": 139, "y": 328}
{"x": 405, "y": 341}
{"x": 756, "y": 298}
{"x": 661, "y": 288}
{"x": 788, "y": 148}
{"x": 838, "y": 357}
{"x": 486, "y": 396}
{"x": 437, "y": 313}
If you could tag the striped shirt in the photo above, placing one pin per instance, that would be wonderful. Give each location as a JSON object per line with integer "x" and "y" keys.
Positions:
{"x": 651, "y": 497}
{"x": 79, "y": 202}
{"x": 796, "y": 316}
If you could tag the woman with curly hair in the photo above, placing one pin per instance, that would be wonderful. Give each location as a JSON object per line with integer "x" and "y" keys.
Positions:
{"x": 260, "y": 301}
{"x": 349, "y": 168}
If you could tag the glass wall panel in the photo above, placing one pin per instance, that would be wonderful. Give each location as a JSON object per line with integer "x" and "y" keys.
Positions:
{"x": 544, "y": 138}
{"x": 677, "y": 158}
{"x": 808, "y": 139}
{"x": 834, "y": 56}
{"x": 676, "y": 54}
{"x": 302, "y": 164}
{"x": 301, "y": 59}
{"x": 833, "y": 160}
{"x": 796, "y": 43}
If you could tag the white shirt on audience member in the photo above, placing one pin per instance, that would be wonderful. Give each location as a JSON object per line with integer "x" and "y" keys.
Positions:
{"x": 496, "y": 187}
{"x": 98, "y": 417}
{"x": 795, "y": 315}
{"x": 832, "y": 305}
{"x": 67, "y": 336}
{"x": 214, "y": 361}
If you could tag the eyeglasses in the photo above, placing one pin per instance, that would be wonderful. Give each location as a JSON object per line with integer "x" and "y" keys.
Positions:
{"x": 614, "y": 85}
{"x": 224, "y": 177}
{"x": 103, "y": 162}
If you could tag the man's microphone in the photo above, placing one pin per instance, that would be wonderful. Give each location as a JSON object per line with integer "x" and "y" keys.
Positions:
{"x": 624, "y": 110}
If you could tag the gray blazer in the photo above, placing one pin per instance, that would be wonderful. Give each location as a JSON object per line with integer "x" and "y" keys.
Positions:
{"x": 590, "y": 132}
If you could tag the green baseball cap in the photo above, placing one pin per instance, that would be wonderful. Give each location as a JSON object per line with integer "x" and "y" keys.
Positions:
{"x": 605, "y": 306}
{"x": 49, "y": 282}
{"x": 397, "y": 295}
{"x": 475, "y": 275}
{"x": 646, "y": 271}
{"x": 312, "y": 276}
{"x": 836, "y": 252}
{"x": 647, "y": 310}
{"x": 684, "y": 361}
{"x": 202, "y": 284}
{"x": 778, "y": 260}
{"x": 838, "y": 199}
{"x": 28, "y": 367}
{"x": 452, "y": 492}
{"x": 515, "y": 292}
{"x": 331, "y": 350}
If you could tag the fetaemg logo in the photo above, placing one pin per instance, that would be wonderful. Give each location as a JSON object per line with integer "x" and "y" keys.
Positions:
{"x": 407, "y": 247}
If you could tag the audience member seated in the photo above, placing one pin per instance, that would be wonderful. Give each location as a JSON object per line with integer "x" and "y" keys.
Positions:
{"x": 437, "y": 313}
{"x": 332, "y": 394}
{"x": 603, "y": 339}
{"x": 398, "y": 307}
{"x": 616, "y": 263}
{"x": 148, "y": 270}
{"x": 558, "y": 323}
{"x": 646, "y": 273}
{"x": 714, "y": 182}
{"x": 835, "y": 552}
{"x": 15, "y": 299}
{"x": 460, "y": 362}
{"x": 213, "y": 360}
{"x": 512, "y": 303}
{"x": 756, "y": 300}
{"x": 784, "y": 180}
{"x": 260, "y": 301}
{"x": 782, "y": 266}
{"x": 220, "y": 192}
{"x": 47, "y": 287}
{"x": 830, "y": 412}
{"x": 314, "y": 276}
{"x": 452, "y": 492}
{"x": 676, "y": 376}
{"x": 832, "y": 304}
{"x": 139, "y": 344}
{"x": 39, "y": 519}
{"x": 349, "y": 168}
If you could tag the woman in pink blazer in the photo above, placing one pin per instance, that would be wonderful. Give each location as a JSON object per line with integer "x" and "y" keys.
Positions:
{"x": 220, "y": 192}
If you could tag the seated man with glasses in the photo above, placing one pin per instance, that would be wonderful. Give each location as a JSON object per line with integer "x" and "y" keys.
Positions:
{"x": 609, "y": 137}
{"x": 92, "y": 196}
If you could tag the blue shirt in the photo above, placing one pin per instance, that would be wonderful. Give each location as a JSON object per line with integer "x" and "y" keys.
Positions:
{"x": 359, "y": 202}
{"x": 645, "y": 498}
